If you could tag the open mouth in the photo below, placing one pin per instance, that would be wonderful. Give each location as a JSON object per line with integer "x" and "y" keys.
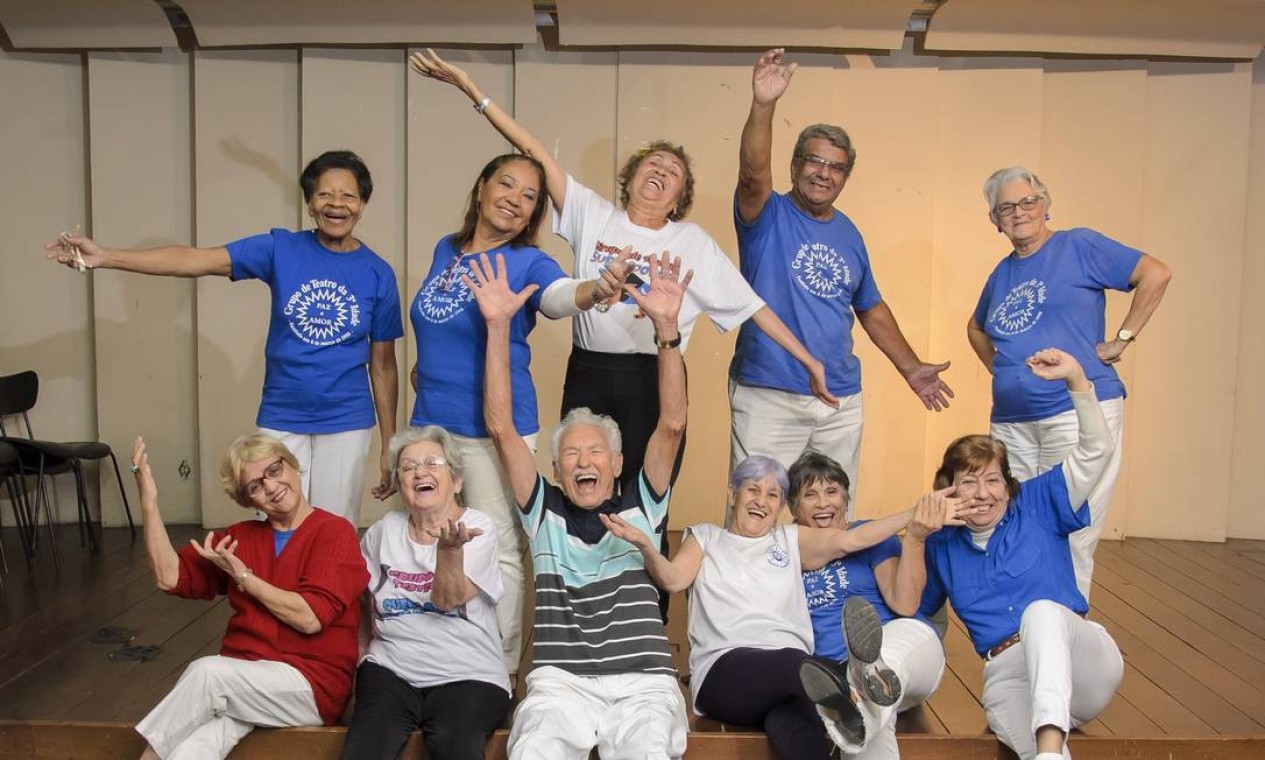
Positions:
{"x": 655, "y": 182}
{"x": 757, "y": 512}
{"x": 424, "y": 486}
{"x": 585, "y": 483}
{"x": 823, "y": 519}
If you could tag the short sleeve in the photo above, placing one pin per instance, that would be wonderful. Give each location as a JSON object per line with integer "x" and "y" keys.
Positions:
{"x": 580, "y": 200}
{"x": 888, "y": 548}
{"x": 532, "y": 514}
{"x": 371, "y": 550}
{"x": 934, "y": 594}
{"x": 750, "y": 236}
{"x": 1105, "y": 262}
{"x": 1045, "y": 497}
{"x": 543, "y": 271}
{"x": 480, "y": 559}
{"x": 251, "y": 258}
{"x": 728, "y": 298}
{"x": 387, "y": 323}
{"x": 655, "y": 505}
{"x": 866, "y": 296}
{"x": 334, "y": 574}
{"x": 981, "y": 306}
{"x": 703, "y": 533}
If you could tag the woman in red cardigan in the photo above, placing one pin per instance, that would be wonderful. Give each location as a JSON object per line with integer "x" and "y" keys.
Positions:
{"x": 292, "y": 579}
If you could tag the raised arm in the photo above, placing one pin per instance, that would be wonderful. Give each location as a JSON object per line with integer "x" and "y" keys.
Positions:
{"x": 981, "y": 344}
{"x": 818, "y": 546}
{"x": 384, "y": 380}
{"x": 499, "y": 304}
{"x": 429, "y": 64}
{"x": 769, "y": 80}
{"x": 923, "y": 378}
{"x": 1149, "y": 281}
{"x": 773, "y": 326}
{"x": 663, "y": 305}
{"x": 163, "y": 561}
{"x": 1094, "y": 446}
{"x": 671, "y": 576}
{"x": 901, "y": 580}
{"x": 171, "y": 260}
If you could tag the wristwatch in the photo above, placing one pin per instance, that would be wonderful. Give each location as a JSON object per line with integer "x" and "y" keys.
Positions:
{"x": 671, "y": 343}
{"x": 1127, "y": 336}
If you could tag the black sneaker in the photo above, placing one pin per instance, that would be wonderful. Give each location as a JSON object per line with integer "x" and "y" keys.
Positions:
{"x": 864, "y": 632}
{"x": 825, "y": 683}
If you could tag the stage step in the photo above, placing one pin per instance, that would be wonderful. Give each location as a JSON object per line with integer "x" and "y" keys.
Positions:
{"x": 44, "y": 740}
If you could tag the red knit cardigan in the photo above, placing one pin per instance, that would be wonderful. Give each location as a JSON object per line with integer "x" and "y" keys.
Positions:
{"x": 322, "y": 563}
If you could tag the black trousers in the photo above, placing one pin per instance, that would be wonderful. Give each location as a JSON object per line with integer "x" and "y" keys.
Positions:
{"x": 456, "y": 718}
{"x": 760, "y": 687}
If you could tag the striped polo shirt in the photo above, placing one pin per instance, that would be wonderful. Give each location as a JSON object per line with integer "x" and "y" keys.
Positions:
{"x": 597, "y": 611}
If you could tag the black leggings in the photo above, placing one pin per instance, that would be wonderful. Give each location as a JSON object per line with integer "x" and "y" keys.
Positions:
{"x": 456, "y": 718}
{"x": 760, "y": 687}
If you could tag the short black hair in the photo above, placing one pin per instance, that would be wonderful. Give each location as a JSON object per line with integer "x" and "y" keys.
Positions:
{"x": 814, "y": 467}
{"x": 336, "y": 159}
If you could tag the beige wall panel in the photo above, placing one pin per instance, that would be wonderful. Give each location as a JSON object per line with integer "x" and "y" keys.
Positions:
{"x": 985, "y": 119}
{"x": 547, "y": 86}
{"x": 1247, "y": 519}
{"x": 354, "y": 99}
{"x": 46, "y": 310}
{"x": 86, "y": 23}
{"x": 1091, "y": 161}
{"x": 891, "y": 198}
{"x": 1182, "y": 413}
{"x": 246, "y": 155}
{"x": 141, "y": 197}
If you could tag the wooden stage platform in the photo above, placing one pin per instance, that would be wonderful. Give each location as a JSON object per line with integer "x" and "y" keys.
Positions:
{"x": 1189, "y": 616}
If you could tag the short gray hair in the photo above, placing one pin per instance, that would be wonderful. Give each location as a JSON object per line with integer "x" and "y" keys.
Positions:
{"x": 582, "y": 415}
{"x": 757, "y": 467}
{"x": 835, "y": 135}
{"x": 1002, "y": 177}
{"x": 428, "y": 434}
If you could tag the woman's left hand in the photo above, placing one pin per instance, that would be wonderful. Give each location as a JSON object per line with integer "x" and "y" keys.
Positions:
{"x": 491, "y": 288}
{"x": 220, "y": 553}
{"x": 454, "y": 535}
{"x": 1110, "y": 351}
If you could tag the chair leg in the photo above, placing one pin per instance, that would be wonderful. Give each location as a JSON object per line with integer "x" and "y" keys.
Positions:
{"x": 41, "y": 493}
{"x": 17, "y": 500}
{"x": 85, "y": 516}
{"x": 127, "y": 510}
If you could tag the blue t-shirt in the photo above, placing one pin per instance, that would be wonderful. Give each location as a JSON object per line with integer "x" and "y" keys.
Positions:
{"x": 327, "y": 308}
{"x": 1027, "y": 559}
{"x": 828, "y": 588}
{"x": 452, "y": 340}
{"x": 813, "y": 274}
{"x": 1052, "y": 299}
{"x": 279, "y": 540}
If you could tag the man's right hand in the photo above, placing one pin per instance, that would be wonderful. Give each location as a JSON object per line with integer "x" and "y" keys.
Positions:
{"x": 770, "y": 77}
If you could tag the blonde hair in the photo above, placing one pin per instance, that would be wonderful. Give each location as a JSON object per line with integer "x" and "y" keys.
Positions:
{"x": 245, "y": 449}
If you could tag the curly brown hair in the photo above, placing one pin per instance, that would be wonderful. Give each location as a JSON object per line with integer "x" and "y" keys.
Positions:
{"x": 686, "y": 200}
{"x": 972, "y": 453}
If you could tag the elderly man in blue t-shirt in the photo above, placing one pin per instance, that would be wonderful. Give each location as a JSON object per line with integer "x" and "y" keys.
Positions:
{"x": 808, "y": 262}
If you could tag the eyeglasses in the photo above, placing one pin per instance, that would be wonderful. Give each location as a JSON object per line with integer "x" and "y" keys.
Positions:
{"x": 838, "y": 167}
{"x": 272, "y": 472}
{"x": 1027, "y": 204}
{"x": 430, "y": 464}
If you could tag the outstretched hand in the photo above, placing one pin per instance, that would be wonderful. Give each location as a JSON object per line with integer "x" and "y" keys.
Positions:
{"x": 454, "y": 534}
{"x": 770, "y": 77}
{"x": 145, "y": 484}
{"x": 491, "y": 288}
{"x": 220, "y": 553}
{"x": 75, "y": 251}
{"x": 620, "y": 528}
{"x": 610, "y": 283}
{"x": 430, "y": 65}
{"x": 662, "y": 303}
{"x": 937, "y": 509}
{"x": 925, "y": 381}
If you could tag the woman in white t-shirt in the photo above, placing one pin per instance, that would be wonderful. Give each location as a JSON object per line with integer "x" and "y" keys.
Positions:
{"x": 613, "y": 367}
{"x": 749, "y": 626}
{"x": 433, "y": 661}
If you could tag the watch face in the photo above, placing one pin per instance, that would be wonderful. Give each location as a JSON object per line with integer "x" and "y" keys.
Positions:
{"x": 1125, "y": 335}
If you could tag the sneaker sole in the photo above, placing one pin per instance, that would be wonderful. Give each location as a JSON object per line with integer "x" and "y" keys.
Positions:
{"x": 864, "y": 633}
{"x": 822, "y": 690}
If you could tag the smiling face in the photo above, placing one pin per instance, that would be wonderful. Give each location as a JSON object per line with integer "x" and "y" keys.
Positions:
{"x": 821, "y": 504}
{"x": 755, "y": 505}
{"x": 586, "y": 467}
{"x": 988, "y": 486}
{"x": 816, "y": 185}
{"x": 272, "y": 486}
{"x": 1020, "y": 225}
{"x": 335, "y": 206}
{"x": 508, "y": 198}
{"x": 658, "y": 181}
{"x": 426, "y": 485}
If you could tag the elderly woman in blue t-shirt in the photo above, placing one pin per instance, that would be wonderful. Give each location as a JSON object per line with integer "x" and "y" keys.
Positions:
{"x": 502, "y": 216}
{"x": 1009, "y": 573}
{"x": 878, "y": 586}
{"x": 1050, "y": 291}
{"x": 335, "y": 311}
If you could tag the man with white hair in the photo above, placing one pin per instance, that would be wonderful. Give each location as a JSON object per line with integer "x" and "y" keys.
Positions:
{"x": 603, "y": 674}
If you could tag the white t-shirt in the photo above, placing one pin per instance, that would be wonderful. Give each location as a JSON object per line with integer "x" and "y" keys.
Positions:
{"x": 749, "y": 593}
{"x": 597, "y": 232}
{"x": 411, "y": 637}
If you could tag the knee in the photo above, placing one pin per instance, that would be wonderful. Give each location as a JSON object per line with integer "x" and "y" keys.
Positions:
{"x": 1041, "y": 615}
{"x": 457, "y": 742}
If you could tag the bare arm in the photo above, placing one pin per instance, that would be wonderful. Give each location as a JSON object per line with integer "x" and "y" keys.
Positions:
{"x": 384, "y": 380}
{"x": 428, "y": 64}
{"x": 662, "y": 305}
{"x": 453, "y": 588}
{"x": 671, "y": 576}
{"x": 769, "y": 80}
{"x": 981, "y": 344}
{"x": 1150, "y": 279}
{"x": 819, "y": 546}
{"x": 171, "y": 260}
{"x": 163, "y": 560}
{"x": 923, "y": 378}
{"x": 773, "y": 327}
{"x": 901, "y": 580}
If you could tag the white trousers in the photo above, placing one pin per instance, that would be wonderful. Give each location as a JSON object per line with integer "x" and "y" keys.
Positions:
{"x": 1063, "y": 672}
{"x": 332, "y": 467}
{"x": 1036, "y": 447}
{"x": 218, "y": 700}
{"x": 632, "y": 716}
{"x": 486, "y": 487}
{"x": 784, "y": 425}
{"x": 914, "y": 652}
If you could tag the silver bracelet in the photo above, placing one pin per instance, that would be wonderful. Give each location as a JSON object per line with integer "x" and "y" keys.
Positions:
{"x": 482, "y": 105}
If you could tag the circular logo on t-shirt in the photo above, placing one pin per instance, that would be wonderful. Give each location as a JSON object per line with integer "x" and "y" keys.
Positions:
{"x": 820, "y": 270}
{"x": 1020, "y": 310}
{"x": 777, "y": 556}
{"x": 822, "y": 586}
{"x": 322, "y": 312}
{"x": 444, "y": 297}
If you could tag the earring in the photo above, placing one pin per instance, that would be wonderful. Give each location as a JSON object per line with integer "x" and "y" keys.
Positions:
{"x": 1047, "y": 216}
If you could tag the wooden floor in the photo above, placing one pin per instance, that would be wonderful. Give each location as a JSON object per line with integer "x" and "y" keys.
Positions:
{"x": 1190, "y": 618}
